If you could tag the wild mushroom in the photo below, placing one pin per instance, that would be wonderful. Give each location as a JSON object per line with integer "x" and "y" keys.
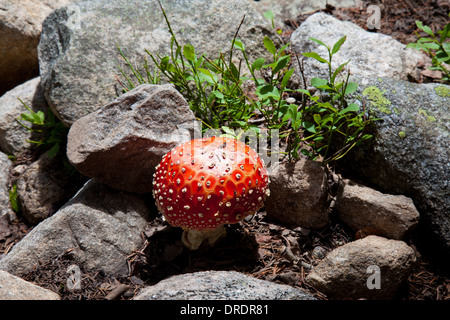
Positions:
{"x": 206, "y": 183}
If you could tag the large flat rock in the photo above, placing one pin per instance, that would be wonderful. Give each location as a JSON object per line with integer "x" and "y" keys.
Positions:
{"x": 21, "y": 26}
{"x": 78, "y": 55}
{"x": 220, "y": 285}
{"x": 371, "y": 55}
{"x": 100, "y": 226}
{"x": 410, "y": 153}
{"x": 121, "y": 143}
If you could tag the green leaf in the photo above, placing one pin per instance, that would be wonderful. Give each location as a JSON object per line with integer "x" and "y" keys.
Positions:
{"x": 269, "y": 15}
{"x": 286, "y": 78}
{"x": 234, "y": 70}
{"x": 419, "y": 24}
{"x": 255, "y": 129}
{"x": 218, "y": 94}
{"x": 189, "y": 52}
{"x": 430, "y": 45}
{"x": 441, "y": 57}
{"x": 338, "y": 70}
{"x": 414, "y": 45}
{"x": 258, "y": 63}
{"x": 226, "y": 135}
{"x": 268, "y": 43}
{"x": 210, "y": 78}
{"x": 338, "y": 44}
{"x": 282, "y": 49}
{"x": 326, "y": 119}
{"x": 238, "y": 44}
{"x": 316, "y": 56}
{"x": 445, "y": 33}
{"x": 352, "y": 107}
{"x": 238, "y": 123}
{"x": 280, "y": 64}
{"x": 309, "y": 126}
{"x": 171, "y": 68}
{"x": 15, "y": 205}
{"x": 326, "y": 106}
{"x": 319, "y": 42}
{"x": 40, "y": 117}
{"x": 426, "y": 29}
{"x": 163, "y": 64}
{"x": 317, "y": 118}
{"x": 202, "y": 78}
{"x": 268, "y": 91}
{"x": 304, "y": 91}
{"x": 306, "y": 153}
{"x": 319, "y": 139}
{"x": 27, "y": 117}
{"x": 318, "y": 82}
{"x": 351, "y": 87}
{"x": 228, "y": 131}
{"x": 292, "y": 111}
{"x": 425, "y": 40}
{"x": 446, "y": 46}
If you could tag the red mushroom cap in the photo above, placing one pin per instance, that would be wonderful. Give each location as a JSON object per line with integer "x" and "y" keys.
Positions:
{"x": 208, "y": 182}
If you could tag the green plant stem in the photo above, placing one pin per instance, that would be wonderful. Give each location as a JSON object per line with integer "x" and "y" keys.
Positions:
{"x": 171, "y": 32}
{"x": 234, "y": 40}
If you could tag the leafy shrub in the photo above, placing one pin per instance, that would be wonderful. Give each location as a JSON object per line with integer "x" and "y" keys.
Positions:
{"x": 54, "y": 131}
{"x": 15, "y": 205}
{"x": 437, "y": 47}
{"x": 215, "y": 92}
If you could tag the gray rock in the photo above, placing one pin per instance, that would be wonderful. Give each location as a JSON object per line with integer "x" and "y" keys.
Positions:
{"x": 121, "y": 143}
{"x": 5, "y": 168}
{"x": 371, "y": 55}
{"x": 13, "y": 137}
{"x": 15, "y": 288}
{"x": 219, "y": 285}
{"x": 79, "y": 60}
{"x": 21, "y": 25}
{"x": 410, "y": 152}
{"x": 45, "y": 186}
{"x": 351, "y": 271}
{"x": 291, "y": 9}
{"x": 100, "y": 224}
{"x": 394, "y": 216}
{"x": 299, "y": 194}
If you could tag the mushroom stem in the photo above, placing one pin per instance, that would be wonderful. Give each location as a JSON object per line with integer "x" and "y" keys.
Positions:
{"x": 192, "y": 239}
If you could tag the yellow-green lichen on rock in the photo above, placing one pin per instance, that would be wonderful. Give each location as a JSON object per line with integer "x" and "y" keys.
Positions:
{"x": 402, "y": 134}
{"x": 377, "y": 99}
{"x": 443, "y": 91}
{"x": 428, "y": 117}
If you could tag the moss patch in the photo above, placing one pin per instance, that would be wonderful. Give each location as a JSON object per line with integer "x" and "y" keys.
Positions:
{"x": 429, "y": 118}
{"x": 442, "y": 91}
{"x": 377, "y": 99}
{"x": 402, "y": 134}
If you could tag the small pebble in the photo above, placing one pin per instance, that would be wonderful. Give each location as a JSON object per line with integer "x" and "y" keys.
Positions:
{"x": 319, "y": 252}
{"x": 290, "y": 100}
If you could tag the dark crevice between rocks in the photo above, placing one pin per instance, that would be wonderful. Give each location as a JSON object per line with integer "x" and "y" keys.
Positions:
{"x": 163, "y": 255}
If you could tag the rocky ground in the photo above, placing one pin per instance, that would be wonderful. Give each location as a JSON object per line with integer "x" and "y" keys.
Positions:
{"x": 272, "y": 261}
{"x": 259, "y": 246}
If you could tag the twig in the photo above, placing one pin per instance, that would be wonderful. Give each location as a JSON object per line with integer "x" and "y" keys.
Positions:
{"x": 292, "y": 257}
{"x": 256, "y": 121}
{"x": 117, "y": 292}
